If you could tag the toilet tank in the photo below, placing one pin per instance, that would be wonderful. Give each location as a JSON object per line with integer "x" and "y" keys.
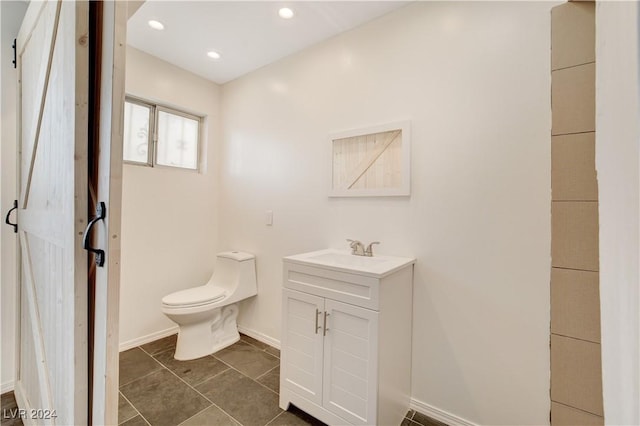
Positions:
{"x": 235, "y": 271}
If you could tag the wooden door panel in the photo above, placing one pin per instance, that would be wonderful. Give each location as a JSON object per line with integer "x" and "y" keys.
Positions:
{"x": 53, "y": 83}
{"x": 30, "y": 351}
{"x": 109, "y": 23}
{"x": 34, "y": 60}
{"x": 42, "y": 280}
{"x": 36, "y": 48}
{"x": 51, "y": 162}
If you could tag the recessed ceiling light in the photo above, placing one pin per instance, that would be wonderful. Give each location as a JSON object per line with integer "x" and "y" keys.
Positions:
{"x": 156, "y": 25}
{"x": 285, "y": 13}
{"x": 213, "y": 54}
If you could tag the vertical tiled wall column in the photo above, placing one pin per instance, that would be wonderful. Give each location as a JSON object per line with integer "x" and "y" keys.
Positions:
{"x": 576, "y": 377}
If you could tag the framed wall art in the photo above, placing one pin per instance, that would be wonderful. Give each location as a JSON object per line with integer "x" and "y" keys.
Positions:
{"x": 371, "y": 162}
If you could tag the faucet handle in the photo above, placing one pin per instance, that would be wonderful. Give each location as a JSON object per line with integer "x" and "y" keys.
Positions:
{"x": 369, "y": 250}
{"x": 357, "y": 247}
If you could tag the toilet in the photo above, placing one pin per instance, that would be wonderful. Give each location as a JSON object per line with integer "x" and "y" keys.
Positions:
{"x": 207, "y": 314}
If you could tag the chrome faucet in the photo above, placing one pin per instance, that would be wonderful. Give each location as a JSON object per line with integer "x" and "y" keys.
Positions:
{"x": 358, "y": 249}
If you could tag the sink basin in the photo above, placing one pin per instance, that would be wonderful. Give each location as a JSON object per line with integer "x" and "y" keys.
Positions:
{"x": 343, "y": 260}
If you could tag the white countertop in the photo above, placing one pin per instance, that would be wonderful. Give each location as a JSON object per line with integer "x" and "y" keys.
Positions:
{"x": 342, "y": 260}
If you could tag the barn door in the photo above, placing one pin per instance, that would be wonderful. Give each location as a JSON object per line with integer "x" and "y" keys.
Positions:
{"x": 53, "y": 57}
{"x": 108, "y": 22}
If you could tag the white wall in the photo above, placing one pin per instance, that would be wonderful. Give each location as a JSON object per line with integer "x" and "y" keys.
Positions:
{"x": 618, "y": 164}
{"x": 169, "y": 216}
{"x": 11, "y": 14}
{"x": 474, "y": 78}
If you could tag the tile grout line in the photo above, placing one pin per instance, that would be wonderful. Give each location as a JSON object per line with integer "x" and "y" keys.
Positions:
{"x": 201, "y": 411}
{"x": 575, "y": 201}
{"x": 581, "y": 132}
{"x": 573, "y": 66}
{"x": 133, "y": 406}
{"x": 254, "y": 380}
{"x": 229, "y": 367}
{"x": 137, "y": 378}
{"x": 274, "y": 419}
{"x": 572, "y": 269}
{"x": 572, "y": 133}
{"x": 266, "y": 372}
{"x": 120, "y": 385}
{"x": 194, "y": 389}
{"x": 262, "y": 350}
{"x": 576, "y": 408}
{"x": 575, "y": 338}
{"x": 257, "y": 347}
{"x": 251, "y": 378}
{"x": 202, "y": 395}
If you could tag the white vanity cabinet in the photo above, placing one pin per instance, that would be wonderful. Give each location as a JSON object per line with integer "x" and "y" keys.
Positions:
{"x": 346, "y": 337}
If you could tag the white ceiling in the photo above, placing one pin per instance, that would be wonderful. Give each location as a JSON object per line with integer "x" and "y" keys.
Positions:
{"x": 248, "y": 34}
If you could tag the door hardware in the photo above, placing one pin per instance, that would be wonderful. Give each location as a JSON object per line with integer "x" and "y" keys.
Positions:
{"x": 318, "y": 327}
{"x": 101, "y": 213}
{"x": 6, "y": 220}
{"x": 324, "y": 333}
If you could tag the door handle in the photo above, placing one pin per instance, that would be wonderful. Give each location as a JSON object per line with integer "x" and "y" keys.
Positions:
{"x": 318, "y": 327}
{"x": 324, "y": 333}
{"x": 6, "y": 220}
{"x": 101, "y": 213}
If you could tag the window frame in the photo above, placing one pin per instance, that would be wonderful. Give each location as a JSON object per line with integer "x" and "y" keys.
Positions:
{"x": 152, "y": 153}
{"x": 150, "y": 131}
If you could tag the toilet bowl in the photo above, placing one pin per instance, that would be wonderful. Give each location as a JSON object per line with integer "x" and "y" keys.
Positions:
{"x": 207, "y": 314}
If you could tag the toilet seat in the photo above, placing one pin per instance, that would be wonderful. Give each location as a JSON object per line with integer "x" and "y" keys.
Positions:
{"x": 193, "y": 297}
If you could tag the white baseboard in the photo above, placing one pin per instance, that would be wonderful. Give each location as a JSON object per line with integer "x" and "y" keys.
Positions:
{"x": 260, "y": 336}
{"x": 173, "y": 330}
{"x": 148, "y": 338}
{"x": 438, "y": 414}
{"x": 6, "y": 387}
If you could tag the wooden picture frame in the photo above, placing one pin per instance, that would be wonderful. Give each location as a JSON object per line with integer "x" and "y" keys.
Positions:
{"x": 371, "y": 162}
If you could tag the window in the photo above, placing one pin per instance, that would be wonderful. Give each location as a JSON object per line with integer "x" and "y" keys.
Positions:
{"x": 155, "y": 135}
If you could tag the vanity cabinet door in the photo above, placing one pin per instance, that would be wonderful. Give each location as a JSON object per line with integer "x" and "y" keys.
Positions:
{"x": 302, "y": 344}
{"x": 350, "y": 362}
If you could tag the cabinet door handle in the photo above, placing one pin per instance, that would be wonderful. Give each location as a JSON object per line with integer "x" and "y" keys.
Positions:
{"x": 318, "y": 327}
{"x": 324, "y": 333}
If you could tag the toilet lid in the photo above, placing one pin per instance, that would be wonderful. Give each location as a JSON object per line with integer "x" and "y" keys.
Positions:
{"x": 196, "y": 296}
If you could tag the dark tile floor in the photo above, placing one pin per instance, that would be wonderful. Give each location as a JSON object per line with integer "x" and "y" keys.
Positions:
{"x": 236, "y": 386}
{"x": 10, "y": 416}
{"x": 415, "y": 418}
